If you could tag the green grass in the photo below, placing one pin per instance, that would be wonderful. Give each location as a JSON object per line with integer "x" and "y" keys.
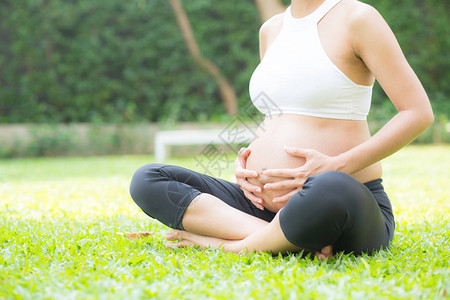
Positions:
{"x": 60, "y": 219}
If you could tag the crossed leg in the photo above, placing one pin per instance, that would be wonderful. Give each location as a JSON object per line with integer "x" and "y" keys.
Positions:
{"x": 217, "y": 214}
{"x": 204, "y": 221}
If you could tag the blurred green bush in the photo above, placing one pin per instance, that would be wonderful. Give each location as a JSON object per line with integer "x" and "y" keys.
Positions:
{"x": 125, "y": 61}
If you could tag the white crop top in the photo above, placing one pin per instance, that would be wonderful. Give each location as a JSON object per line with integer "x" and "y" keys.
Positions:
{"x": 296, "y": 76}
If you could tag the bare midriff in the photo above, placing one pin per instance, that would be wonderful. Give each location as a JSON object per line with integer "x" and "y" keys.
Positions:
{"x": 328, "y": 136}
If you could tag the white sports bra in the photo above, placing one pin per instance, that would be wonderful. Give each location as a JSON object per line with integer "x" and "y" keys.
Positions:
{"x": 296, "y": 76}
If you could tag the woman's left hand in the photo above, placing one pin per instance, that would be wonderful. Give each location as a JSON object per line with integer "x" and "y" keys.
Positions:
{"x": 315, "y": 163}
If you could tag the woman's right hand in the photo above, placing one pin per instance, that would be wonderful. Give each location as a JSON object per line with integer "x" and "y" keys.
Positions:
{"x": 242, "y": 174}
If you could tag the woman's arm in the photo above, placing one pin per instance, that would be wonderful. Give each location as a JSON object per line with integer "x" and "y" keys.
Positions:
{"x": 377, "y": 46}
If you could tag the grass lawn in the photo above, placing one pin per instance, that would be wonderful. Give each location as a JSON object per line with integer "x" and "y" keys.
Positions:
{"x": 60, "y": 220}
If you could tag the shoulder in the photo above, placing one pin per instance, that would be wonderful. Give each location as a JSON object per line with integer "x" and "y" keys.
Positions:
{"x": 363, "y": 18}
{"x": 365, "y": 25}
{"x": 268, "y": 31}
{"x": 271, "y": 26}
{"x": 358, "y": 9}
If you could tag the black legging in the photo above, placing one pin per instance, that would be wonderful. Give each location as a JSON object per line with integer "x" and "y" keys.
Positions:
{"x": 333, "y": 208}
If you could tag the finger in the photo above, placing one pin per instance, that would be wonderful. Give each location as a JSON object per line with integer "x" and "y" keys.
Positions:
{"x": 298, "y": 152}
{"x": 245, "y": 173}
{"x": 259, "y": 206}
{"x": 285, "y": 198}
{"x": 254, "y": 199}
{"x": 244, "y": 152}
{"x": 285, "y": 184}
{"x": 239, "y": 161}
{"x": 247, "y": 186}
{"x": 280, "y": 172}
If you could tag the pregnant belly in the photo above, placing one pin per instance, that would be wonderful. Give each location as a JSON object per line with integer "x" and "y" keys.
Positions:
{"x": 267, "y": 152}
{"x": 330, "y": 137}
{"x": 272, "y": 157}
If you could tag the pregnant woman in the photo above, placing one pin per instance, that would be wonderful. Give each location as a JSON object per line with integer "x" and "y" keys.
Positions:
{"x": 311, "y": 180}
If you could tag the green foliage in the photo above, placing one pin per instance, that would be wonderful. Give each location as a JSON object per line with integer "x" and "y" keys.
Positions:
{"x": 49, "y": 140}
{"x": 60, "y": 221}
{"x": 126, "y": 61}
{"x": 69, "y": 140}
{"x": 421, "y": 28}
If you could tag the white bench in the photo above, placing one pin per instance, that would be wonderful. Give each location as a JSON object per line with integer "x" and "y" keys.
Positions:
{"x": 195, "y": 137}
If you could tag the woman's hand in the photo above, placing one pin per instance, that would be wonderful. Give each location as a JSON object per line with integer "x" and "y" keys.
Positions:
{"x": 241, "y": 178}
{"x": 315, "y": 163}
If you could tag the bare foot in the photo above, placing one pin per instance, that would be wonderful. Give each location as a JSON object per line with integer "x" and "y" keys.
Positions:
{"x": 189, "y": 239}
{"x": 325, "y": 252}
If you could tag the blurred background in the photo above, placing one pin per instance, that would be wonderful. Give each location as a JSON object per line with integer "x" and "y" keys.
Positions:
{"x": 91, "y": 77}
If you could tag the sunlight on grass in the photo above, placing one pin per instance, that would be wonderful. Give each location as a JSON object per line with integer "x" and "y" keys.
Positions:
{"x": 61, "y": 218}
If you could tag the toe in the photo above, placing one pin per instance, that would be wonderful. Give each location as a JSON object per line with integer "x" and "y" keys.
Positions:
{"x": 171, "y": 245}
{"x": 320, "y": 256}
{"x": 180, "y": 244}
{"x": 173, "y": 235}
{"x": 327, "y": 251}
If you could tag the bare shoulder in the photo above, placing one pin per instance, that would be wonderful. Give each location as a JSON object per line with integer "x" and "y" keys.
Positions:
{"x": 362, "y": 16}
{"x": 271, "y": 27}
{"x": 366, "y": 27}
{"x": 268, "y": 31}
{"x": 358, "y": 9}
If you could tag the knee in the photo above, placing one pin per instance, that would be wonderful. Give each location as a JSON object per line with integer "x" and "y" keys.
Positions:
{"x": 329, "y": 193}
{"x": 333, "y": 188}
{"x": 332, "y": 180}
{"x": 147, "y": 170}
{"x": 316, "y": 213}
{"x": 142, "y": 178}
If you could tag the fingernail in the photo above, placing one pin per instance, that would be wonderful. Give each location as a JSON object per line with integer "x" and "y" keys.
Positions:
{"x": 258, "y": 190}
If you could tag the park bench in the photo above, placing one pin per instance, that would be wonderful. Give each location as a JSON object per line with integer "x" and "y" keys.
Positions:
{"x": 199, "y": 137}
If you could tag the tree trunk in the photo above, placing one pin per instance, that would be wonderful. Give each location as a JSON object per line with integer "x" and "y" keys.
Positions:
{"x": 269, "y": 8}
{"x": 226, "y": 90}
